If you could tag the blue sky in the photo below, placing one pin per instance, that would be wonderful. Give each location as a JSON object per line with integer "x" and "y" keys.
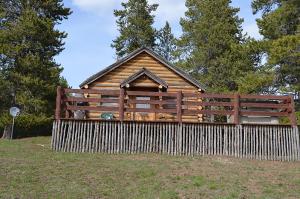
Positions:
{"x": 91, "y": 29}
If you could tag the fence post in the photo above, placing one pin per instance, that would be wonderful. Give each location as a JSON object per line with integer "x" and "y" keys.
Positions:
{"x": 179, "y": 106}
{"x": 292, "y": 114}
{"x": 58, "y": 103}
{"x": 64, "y": 104}
{"x": 121, "y": 104}
{"x": 236, "y": 109}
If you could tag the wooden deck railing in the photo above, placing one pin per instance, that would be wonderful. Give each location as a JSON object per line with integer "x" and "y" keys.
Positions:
{"x": 178, "y": 104}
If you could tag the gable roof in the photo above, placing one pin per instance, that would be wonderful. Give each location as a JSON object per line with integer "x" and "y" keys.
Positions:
{"x": 136, "y": 53}
{"x": 146, "y": 72}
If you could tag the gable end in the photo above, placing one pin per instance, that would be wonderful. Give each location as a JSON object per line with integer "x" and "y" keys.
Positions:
{"x": 135, "y": 53}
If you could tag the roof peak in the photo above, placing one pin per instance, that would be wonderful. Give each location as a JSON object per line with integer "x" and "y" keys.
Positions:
{"x": 148, "y": 73}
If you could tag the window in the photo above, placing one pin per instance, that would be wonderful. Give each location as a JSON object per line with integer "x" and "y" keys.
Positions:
{"x": 171, "y": 104}
{"x": 109, "y": 104}
{"x": 146, "y": 106}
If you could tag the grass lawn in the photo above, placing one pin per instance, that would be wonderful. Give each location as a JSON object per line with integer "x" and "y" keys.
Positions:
{"x": 29, "y": 169}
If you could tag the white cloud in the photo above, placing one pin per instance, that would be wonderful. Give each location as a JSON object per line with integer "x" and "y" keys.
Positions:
{"x": 169, "y": 10}
{"x": 96, "y": 5}
{"x": 252, "y": 30}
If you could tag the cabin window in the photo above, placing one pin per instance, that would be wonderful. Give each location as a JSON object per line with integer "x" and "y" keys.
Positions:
{"x": 145, "y": 106}
{"x": 172, "y": 104}
{"x": 109, "y": 104}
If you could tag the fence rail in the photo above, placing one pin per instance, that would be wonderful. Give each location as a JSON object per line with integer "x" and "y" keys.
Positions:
{"x": 179, "y": 104}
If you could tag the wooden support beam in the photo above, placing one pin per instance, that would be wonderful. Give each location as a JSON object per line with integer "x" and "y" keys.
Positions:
{"x": 121, "y": 104}
{"x": 236, "y": 109}
{"x": 292, "y": 114}
{"x": 64, "y": 104}
{"x": 58, "y": 103}
{"x": 179, "y": 106}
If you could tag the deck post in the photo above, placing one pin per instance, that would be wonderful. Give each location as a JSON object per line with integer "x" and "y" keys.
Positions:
{"x": 179, "y": 106}
{"x": 292, "y": 114}
{"x": 64, "y": 104}
{"x": 121, "y": 104}
{"x": 58, "y": 103}
{"x": 236, "y": 109}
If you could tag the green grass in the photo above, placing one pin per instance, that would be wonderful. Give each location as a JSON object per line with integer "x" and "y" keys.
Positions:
{"x": 29, "y": 169}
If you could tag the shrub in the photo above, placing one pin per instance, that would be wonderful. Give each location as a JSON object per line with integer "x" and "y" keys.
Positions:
{"x": 27, "y": 125}
{"x": 286, "y": 120}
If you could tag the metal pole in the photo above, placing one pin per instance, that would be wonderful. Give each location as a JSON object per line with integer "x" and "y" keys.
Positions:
{"x": 12, "y": 129}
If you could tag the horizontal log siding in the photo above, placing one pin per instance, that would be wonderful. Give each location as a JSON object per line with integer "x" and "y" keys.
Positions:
{"x": 280, "y": 143}
{"x": 112, "y": 80}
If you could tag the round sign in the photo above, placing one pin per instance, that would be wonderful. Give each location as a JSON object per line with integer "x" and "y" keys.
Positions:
{"x": 14, "y": 111}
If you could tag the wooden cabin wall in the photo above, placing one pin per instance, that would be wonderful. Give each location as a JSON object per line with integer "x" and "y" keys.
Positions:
{"x": 112, "y": 80}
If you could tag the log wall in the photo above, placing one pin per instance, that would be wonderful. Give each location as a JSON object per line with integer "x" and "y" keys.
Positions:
{"x": 113, "y": 79}
{"x": 260, "y": 142}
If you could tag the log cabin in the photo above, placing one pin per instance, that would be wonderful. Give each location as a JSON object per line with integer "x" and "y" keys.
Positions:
{"x": 143, "y": 87}
{"x": 143, "y": 70}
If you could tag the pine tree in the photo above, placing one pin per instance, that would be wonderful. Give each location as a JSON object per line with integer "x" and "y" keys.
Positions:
{"x": 208, "y": 34}
{"x": 166, "y": 45}
{"x": 135, "y": 25}
{"x": 29, "y": 43}
{"x": 280, "y": 26}
{"x": 213, "y": 47}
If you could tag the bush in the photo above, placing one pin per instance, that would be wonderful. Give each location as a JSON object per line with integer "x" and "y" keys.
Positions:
{"x": 28, "y": 125}
{"x": 286, "y": 120}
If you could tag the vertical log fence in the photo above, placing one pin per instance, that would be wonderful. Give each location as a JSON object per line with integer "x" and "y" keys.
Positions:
{"x": 262, "y": 142}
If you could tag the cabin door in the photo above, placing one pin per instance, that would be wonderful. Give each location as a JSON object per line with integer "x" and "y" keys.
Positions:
{"x": 142, "y": 116}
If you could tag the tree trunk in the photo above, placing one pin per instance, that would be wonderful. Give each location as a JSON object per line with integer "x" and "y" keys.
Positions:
{"x": 7, "y": 133}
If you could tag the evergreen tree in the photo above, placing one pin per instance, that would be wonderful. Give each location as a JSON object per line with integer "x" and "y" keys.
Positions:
{"x": 280, "y": 26}
{"x": 135, "y": 25}
{"x": 214, "y": 48}
{"x": 29, "y": 43}
{"x": 166, "y": 45}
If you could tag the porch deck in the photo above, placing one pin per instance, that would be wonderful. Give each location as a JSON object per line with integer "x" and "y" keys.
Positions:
{"x": 170, "y": 107}
{"x": 126, "y": 133}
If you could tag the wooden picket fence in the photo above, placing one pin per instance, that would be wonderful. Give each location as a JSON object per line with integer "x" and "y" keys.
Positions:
{"x": 262, "y": 142}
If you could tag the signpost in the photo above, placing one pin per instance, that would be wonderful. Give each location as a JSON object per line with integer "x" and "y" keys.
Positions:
{"x": 14, "y": 112}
